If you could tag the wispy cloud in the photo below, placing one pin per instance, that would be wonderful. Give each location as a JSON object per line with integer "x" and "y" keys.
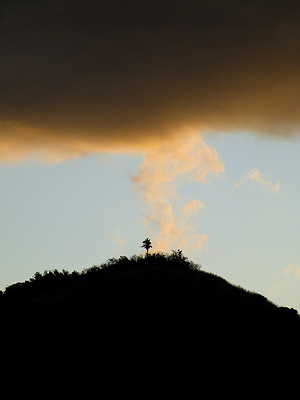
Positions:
{"x": 255, "y": 177}
{"x": 286, "y": 286}
{"x": 191, "y": 208}
{"x": 160, "y": 174}
{"x": 117, "y": 243}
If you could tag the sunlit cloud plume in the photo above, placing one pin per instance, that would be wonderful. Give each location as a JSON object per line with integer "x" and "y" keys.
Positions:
{"x": 255, "y": 177}
{"x": 159, "y": 175}
{"x": 191, "y": 208}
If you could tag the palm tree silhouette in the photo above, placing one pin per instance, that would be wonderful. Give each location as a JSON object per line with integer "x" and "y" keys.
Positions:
{"x": 147, "y": 245}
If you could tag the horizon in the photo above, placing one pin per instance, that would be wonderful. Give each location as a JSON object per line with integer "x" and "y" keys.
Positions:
{"x": 179, "y": 123}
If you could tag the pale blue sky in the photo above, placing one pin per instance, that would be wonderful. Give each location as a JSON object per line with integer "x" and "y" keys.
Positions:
{"x": 77, "y": 213}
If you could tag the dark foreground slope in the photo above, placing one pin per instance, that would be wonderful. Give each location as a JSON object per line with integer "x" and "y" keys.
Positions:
{"x": 162, "y": 309}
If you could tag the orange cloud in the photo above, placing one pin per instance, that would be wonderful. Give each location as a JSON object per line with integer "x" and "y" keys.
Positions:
{"x": 81, "y": 77}
{"x": 159, "y": 175}
{"x": 255, "y": 177}
{"x": 191, "y": 208}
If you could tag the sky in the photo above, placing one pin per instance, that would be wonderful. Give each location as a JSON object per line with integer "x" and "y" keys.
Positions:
{"x": 174, "y": 120}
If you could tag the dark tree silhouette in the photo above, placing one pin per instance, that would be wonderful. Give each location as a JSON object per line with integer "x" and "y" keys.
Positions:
{"x": 147, "y": 245}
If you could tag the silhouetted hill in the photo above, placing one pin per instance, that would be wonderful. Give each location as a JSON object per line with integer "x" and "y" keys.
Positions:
{"x": 163, "y": 307}
{"x": 158, "y": 287}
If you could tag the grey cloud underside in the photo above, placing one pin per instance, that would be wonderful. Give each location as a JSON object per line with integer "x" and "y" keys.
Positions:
{"x": 124, "y": 71}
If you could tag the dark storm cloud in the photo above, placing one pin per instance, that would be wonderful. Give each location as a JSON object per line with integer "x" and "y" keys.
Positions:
{"x": 115, "y": 75}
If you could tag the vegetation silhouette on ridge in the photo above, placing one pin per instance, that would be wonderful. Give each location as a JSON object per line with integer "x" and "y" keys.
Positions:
{"x": 147, "y": 317}
{"x": 53, "y": 282}
{"x": 156, "y": 284}
{"x": 147, "y": 245}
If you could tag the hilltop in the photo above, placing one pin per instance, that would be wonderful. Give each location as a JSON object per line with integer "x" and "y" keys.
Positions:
{"x": 144, "y": 319}
{"x": 163, "y": 290}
